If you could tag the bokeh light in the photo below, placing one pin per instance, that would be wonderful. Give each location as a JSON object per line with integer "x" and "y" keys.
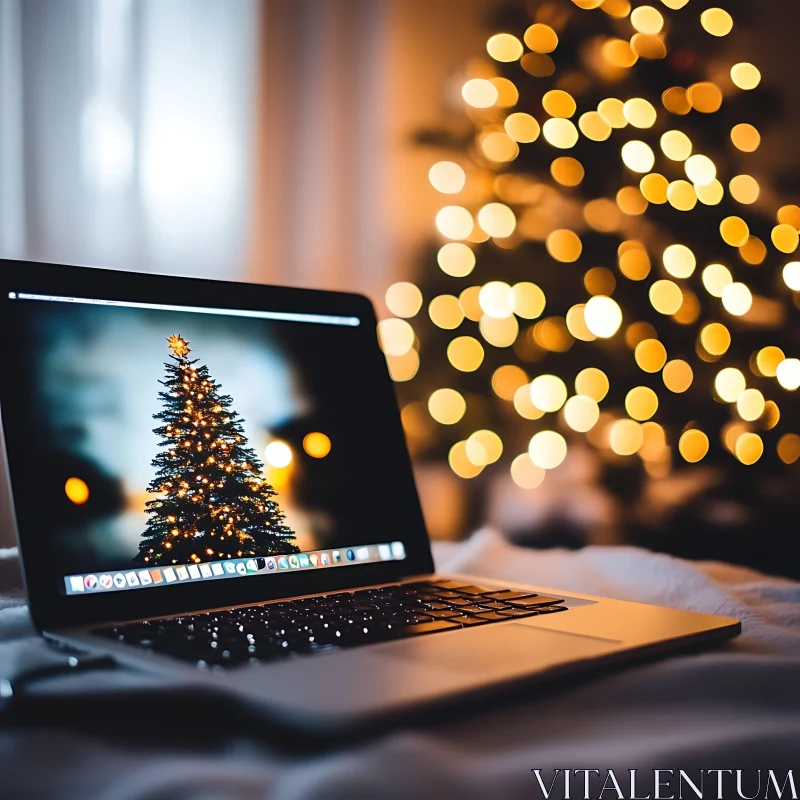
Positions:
{"x": 603, "y": 316}
{"x": 650, "y": 355}
{"x": 700, "y": 169}
{"x": 465, "y": 353}
{"x": 715, "y": 338}
{"x": 527, "y": 300}
{"x": 593, "y": 383}
{"x": 447, "y": 177}
{"x": 744, "y": 189}
{"x": 278, "y": 454}
{"x": 768, "y": 359}
{"x": 693, "y": 445}
{"x": 737, "y": 299}
{"x": 647, "y": 19}
{"x": 484, "y": 447}
{"x": 716, "y": 21}
{"x": 785, "y": 238}
{"x": 745, "y": 137}
{"x": 507, "y": 379}
{"x": 316, "y": 444}
{"x": 581, "y": 413}
{"x": 456, "y": 259}
{"x": 522, "y": 127}
{"x": 445, "y": 312}
{"x": 665, "y": 297}
{"x": 791, "y": 275}
{"x": 638, "y": 156}
{"x": 734, "y": 231}
{"x": 504, "y": 47}
{"x": 77, "y": 491}
{"x": 750, "y": 405}
{"x": 749, "y": 448}
{"x": 788, "y": 448}
{"x": 460, "y": 463}
{"x": 729, "y": 384}
{"x": 788, "y": 374}
{"x": 525, "y": 473}
{"x": 679, "y": 261}
{"x": 454, "y": 222}
{"x": 558, "y": 103}
{"x": 681, "y": 195}
{"x": 547, "y": 449}
{"x": 396, "y": 336}
{"x": 497, "y": 219}
{"x": 560, "y": 133}
{"x": 567, "y": 171}
{"x": 447, "y": 406}
{"x": 403, "y": 299}
{"x": 594, "y": 127}
{"x": 641, "y": 403}
{"x": 625, "y": 437}
{"x": 479, "y": 93}
{"x": 541, "y": 38}
{"x": 639, "y": 112}
{"x": 745, "y": 75}
{"x": 548, "y": 393}
{"x": 677, "y": 375}
{"x": 564, "y": 245}
{"x": 676, "y": 145}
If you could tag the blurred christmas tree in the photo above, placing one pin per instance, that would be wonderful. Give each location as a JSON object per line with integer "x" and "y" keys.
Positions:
{"x": 609, "y": 269}
{"x": 213, "y": 502}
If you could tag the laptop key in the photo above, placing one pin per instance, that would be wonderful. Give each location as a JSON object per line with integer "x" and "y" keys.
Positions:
{"x": 535, "y": 600}
{"x": 429, "y": 627}
{"x": 491, "y": 616}
{"x": 443, "y": 614}
{"x": 475, "y": 590}
{"x": 519, "y": 612}
{"x": 466, "y": 621}
{"x": 508, "y": 594}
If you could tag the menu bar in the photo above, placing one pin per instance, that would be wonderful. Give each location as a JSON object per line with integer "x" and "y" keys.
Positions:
{"x": 113, "y": 581}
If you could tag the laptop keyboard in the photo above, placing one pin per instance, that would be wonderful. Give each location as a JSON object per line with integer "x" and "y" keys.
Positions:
{"x": 256, "y": 634}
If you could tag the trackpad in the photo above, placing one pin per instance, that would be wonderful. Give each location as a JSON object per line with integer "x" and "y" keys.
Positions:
{"x": 500, "y": 650}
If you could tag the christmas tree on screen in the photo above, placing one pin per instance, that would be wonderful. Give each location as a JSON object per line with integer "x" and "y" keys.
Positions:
{"x": 212, "y": 501}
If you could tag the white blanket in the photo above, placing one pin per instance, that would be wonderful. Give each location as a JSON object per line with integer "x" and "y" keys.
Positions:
{"x": 734, "y": 707}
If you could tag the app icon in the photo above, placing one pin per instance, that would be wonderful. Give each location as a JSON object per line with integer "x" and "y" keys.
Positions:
{"x": 314, "y": 559}
{"x": 132, "y": 578}
{"x": 304, "y": 562}
{"x": 230, "y": 567}
{"x": 271, "y": 564}
{"x": 398, "y": 551}
{"x": 250, "y": 565}
{"x": 385, "y": 552}
{"x": 217, "y": 568}
{"x": 241, "y": 569}
{"x": 144, "y": 578}
{"x": 119, "y": 580}
{"x": 261, "y": 563}
{"x": 106, "y": 582}
{"x": 169, "y": 574}
{"x": 351, "y": 556}
{"x": 294, "y": 562}
{"x": 194, "y": 572}
{"x": 205, "y": 570}
{"x": 182, "y": 573}
{"x": 155, "y": 574}
{"x": 337, "y": 556}
{"x": 76, "y": 583}
{"x": 362, "y": 554}
{"x": 323, "y": 559}
{"x": 90, "y": 581}
{"x": 283, "y": 562}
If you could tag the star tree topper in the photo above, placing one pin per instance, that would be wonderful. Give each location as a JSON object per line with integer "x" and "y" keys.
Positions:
{"x": 178, "y": 345}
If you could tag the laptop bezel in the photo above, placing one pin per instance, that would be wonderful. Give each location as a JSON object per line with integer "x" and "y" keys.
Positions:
{"x": 50, "y": 609}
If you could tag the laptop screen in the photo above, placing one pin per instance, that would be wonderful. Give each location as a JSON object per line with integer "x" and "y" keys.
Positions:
{"x": 170, "y": 444}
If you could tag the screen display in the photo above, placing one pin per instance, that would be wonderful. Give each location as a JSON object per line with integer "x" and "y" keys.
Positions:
{"x": 172, "y": 444}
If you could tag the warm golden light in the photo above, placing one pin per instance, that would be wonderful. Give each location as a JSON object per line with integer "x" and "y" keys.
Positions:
{"x": 465, "y": 353}
{"x": 625, "y": 437}
{"x": 594, "y": 127}
{"x": 468, "y": 299}
{"x": 737, "y": 299}
{"x": 715, "y": 338}
{"x": 654, "y": 188}
{"x": 789, "y": 448}
{"x": 460, "y": 463}
{"x": 676, "y": 145}
{"x": 634, "y": 264}
{"x": 498, "y": 331}
{"x": 746, "y": 76}
{"x": 525, "y": 473}
{"x": 479, "y": 93}
{"x": 497, "y": 219}
{"x": 610, "y": 110}
{"x": 538, "y": 64}
{"x": 541, "y": 38}
{"x": 734, "y": 231}
{"x": 639, "y": 112}
{"x": 599, "y": 280}
{"x": 788, "y": 374}
{"x": 454, "y": 222}
{"x": 445, "y": 312}
{"x": 744, "y": 189}
{"x": 641, "y": 403}
{"x": 567, "y": 171}
{"x": 750, "y": 405}
{"x": 498, "y": 146}
{"x": 558, "y": 103}
{"x": 507, "y": 379}
{"x": 316, "y": 444}
{"x": 677, "y": 376}
{"x": 548, "y": 393}
{"x": 749, "y": 448}
{"x": 729, "y": 384}
{"x": 456, "y": 259}
{"x": 77, "y": 491}
{"x": 715, "y": 278}
{"x": 790, "y": 215}
{"x": 785, "y": 238}
{"x": 705, "y": 97}
{"x": 630, "y": 201}
{"x": 560, "y": 133}
{"x": 507, "y": 93}
{"x": 523, "y": 404}
{"x": 638, "y": 156}
{"x": 791, "y": 275}
{"x": 650, "y": 355}
{"x": 581, "y": 413}
{"x": 618, "y": 52}
{"x": 396, "y": 336}
{"x": 768, "y": 359}
{"x": 716, "y": 21}
{"x": 679, "y": 261}
{"x": 527, "y": 300}
{"x": 681, "y": 195}
{"x": 647, "y": 45}
{"x": 693, "y": 445}
{"x": 753, "y": 251}
{"x": 278, "y": 454}
{"x": 405, "y": 367}
{"x": 666, "y": 297}
{"x": 547, "y": 449}
{"x": 647, "y": 19}
{"x": 603, "y": 214}
{"x": 700, "y": 170}
{"x": 495, "y": 299}
{"x": 710, "y": 194}
{"x": 484, "y": 447}
{"x": 403, "y": 299}
{"x": 593, "y": 383}
{"x": 637, "y": 332}
{"x": 745, "y": 137}
{"x": 447, "y": 177}
{"x": 564, "y": 245}
{"x": 504, "y": 47}
{"x": 522, "y": 127}
{"x": 446, "y": 406}
{"x": 675, "y": 100}
{"x": 603, "y": 316}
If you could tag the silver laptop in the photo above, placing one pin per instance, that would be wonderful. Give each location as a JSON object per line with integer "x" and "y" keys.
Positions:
{"x": 210, "y": 480}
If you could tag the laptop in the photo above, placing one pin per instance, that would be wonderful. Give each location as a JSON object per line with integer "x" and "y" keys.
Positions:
{"x": 210, "y": 481}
